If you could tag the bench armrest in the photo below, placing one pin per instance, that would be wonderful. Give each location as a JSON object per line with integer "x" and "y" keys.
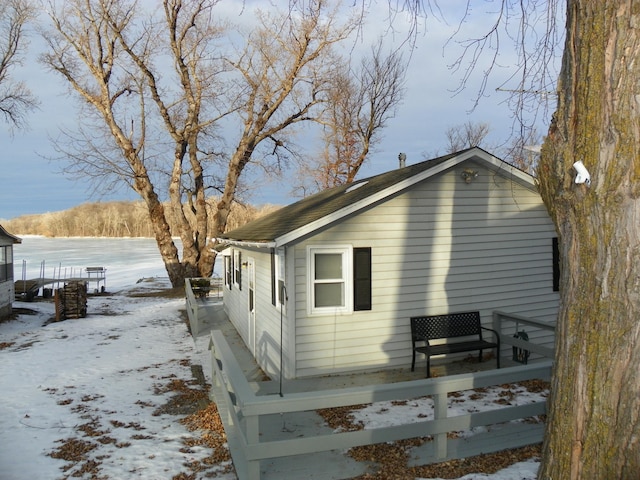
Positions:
{"x": 494, "y": 332}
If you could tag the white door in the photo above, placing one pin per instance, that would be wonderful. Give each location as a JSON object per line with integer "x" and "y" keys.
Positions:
{"x": 251, "y": 270}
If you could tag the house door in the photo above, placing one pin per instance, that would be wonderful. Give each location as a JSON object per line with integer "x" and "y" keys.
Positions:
{"x": 251, "y": 270}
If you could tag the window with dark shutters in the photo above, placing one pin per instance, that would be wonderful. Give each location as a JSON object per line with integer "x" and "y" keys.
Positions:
{"x": 362, "y": 278}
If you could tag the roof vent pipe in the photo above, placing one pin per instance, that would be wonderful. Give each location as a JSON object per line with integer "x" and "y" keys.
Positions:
{"x": 402, "y": 157}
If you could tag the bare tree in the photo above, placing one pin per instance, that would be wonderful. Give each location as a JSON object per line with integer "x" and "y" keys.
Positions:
{"x": 358, "y": 109}
{"x": 594, "y": 427}
{"x": 106, "y": 59}
{"x": 159, "y": 85}
{"x": 469, "y": 134}
{"x": 289, "y": 72}
{"x": 524, "y": 151}
{"x": 16, "y": 100}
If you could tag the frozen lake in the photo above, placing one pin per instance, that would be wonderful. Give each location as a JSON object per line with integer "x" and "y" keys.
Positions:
{"x": 126, "y": 259}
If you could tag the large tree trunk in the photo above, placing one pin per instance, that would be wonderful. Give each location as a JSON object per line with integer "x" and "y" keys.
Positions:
{"x": 593, "y": 430}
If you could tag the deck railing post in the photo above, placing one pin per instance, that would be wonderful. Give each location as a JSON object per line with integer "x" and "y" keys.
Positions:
{"x": 252, "y": 434}
{"x": 497, "y": 323}
{"x": 440, "y": 413}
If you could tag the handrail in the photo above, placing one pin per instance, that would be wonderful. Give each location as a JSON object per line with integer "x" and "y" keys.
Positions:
{"x": 499, "y": 317}
{"x": 192, "y": 307}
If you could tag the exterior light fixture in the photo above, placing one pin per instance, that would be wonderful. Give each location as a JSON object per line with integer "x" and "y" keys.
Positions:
{"x": 468, "y": 175}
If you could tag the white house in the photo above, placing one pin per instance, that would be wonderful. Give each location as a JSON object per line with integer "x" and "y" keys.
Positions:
{"x": 6, "y": 271}
{"x": 327, "y": 285}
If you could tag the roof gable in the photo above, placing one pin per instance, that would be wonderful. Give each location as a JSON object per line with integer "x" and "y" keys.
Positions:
{"x": 316, "y": 211}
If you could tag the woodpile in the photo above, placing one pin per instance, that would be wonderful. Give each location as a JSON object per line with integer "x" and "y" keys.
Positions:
{"x": 71, "y": 301}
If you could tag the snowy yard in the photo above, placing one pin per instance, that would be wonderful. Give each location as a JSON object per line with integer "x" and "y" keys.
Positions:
{"x": 100, "y": 397}
{"x": 109, "y": 396}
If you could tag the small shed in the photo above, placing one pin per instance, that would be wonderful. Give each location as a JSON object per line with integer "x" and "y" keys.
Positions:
{"x": 327, "y": 285}
{"x": 7, "y": 291}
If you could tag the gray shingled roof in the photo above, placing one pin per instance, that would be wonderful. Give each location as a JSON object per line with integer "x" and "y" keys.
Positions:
{"x": 7, "y": 234}
{"x": 315, "y": 207}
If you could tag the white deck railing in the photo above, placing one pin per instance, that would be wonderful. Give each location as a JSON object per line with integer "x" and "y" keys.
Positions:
{"x": 241, "y": 411}
{"x": 195, "y": 310}
{"x": 506, "y": 324}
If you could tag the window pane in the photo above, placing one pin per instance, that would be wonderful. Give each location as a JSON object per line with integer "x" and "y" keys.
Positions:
{"x": 328, "y": 266}
{"x": 329, "y": 295}
{"x": 3, "y": 255}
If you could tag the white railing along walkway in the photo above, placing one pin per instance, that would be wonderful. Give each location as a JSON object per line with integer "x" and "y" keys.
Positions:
{"x": 241, "y": 411}
{"x": 196, "y": 306}
{"x": 503, "y": 322}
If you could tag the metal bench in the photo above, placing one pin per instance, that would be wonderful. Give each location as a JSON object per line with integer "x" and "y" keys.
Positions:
{"x": 448, "y": 326}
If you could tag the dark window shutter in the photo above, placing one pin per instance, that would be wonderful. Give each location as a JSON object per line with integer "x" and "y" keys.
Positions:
{"x": 556, "y": 264}
{"x": 239, "y": 267}
{"x": 273, "y": 277}
{"x": 362, "y": 278}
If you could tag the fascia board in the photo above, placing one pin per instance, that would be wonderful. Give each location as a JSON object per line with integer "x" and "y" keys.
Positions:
{"x": 243, "y": 244}
{"x": 523, "y": 177}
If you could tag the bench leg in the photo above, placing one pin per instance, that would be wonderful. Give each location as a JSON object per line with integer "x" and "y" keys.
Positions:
{"x": 413, "y": 361}
{"x": 498, "y": 357}
{"x": 428, "y": 366}
{"x": 480, "y": 357}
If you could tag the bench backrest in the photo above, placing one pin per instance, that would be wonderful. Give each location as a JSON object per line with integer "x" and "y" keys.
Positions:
{"x": 459, "y": 324}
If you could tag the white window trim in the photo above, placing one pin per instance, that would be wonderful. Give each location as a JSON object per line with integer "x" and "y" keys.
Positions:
{"x": 236, "y": 267}
{"x": 347, "y": 269}
{"x": 228, "y": 271}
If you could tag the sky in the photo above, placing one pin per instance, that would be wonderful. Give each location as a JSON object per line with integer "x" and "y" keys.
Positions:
{"x": 30, "y": 182}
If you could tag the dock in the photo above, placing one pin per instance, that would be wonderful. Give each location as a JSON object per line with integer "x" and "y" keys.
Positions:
{"x": 29, "y": 288}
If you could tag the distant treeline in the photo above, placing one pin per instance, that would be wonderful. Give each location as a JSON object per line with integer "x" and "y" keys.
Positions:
{"x": 110, "y": 219}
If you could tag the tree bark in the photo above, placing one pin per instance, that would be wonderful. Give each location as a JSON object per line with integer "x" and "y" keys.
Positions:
{"x": 593, "y": 430}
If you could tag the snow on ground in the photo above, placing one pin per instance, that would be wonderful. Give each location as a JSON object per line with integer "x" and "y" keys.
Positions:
{"x": 100, "y": 382}
{"x": 387, "y": 414}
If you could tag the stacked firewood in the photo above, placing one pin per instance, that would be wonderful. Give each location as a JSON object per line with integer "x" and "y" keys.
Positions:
{"x": 71, "y": 301}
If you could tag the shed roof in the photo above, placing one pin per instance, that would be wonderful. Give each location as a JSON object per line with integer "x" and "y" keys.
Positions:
{"x": 15, "y": 239}
{"x": 309, "y": 214}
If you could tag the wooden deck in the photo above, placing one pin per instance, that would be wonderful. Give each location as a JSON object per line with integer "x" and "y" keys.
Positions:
{"x": 275, "y": 433}
{"x": 282, "y": 437}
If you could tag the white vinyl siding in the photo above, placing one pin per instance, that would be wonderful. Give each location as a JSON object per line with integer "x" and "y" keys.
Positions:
{"x": 442, "y": 246}
{"x": 267, "y": 333}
